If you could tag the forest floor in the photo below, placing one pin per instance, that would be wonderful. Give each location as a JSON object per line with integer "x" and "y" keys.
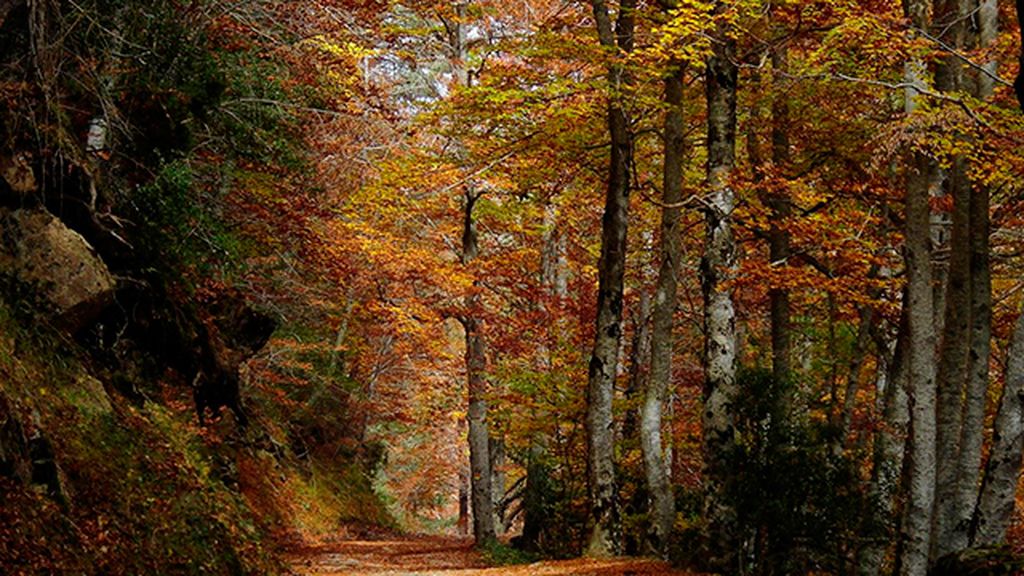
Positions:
{"x": 430, "y": 556}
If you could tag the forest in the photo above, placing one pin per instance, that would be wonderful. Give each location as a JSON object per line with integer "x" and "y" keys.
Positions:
{"x": 546, "y": 287}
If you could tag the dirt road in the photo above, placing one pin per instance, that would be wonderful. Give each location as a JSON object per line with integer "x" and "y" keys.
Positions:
{"x": 450, "y": 557}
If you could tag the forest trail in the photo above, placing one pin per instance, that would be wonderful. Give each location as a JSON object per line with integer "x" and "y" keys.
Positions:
{"x": 439, "y": 556}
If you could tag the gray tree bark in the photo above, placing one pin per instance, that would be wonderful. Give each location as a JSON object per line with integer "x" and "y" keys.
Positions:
{"x": 980, "y": 286}
{"x": 920, "y": 497}
{"x": 976, "y": 394}
{"x": 916, "y": 534}
{"x": 661, "y": 505}
{"x": 949, "y": 24}
{"x": 999, "y": 485}
{"x": 952, "y": 368}
{"x": 605, "y": 535}
{"x": 964, "y": 357}
{"x": 718, "y": 265}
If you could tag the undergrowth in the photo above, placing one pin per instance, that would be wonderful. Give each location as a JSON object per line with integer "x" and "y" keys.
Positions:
{"x": 145, "y": 490}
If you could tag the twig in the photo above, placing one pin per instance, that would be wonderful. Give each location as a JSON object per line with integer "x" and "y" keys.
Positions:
{"x": 946, "y": 47}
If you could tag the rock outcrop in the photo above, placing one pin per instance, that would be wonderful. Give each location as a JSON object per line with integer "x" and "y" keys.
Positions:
{"x": 70, "y": 278}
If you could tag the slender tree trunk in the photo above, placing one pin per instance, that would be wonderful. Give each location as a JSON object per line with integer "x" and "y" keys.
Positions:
{"x": 980, "y": 286}
{"x": 864, "y": 328}
{"x": 976, "y": 395}
{"x": 999, "y": 485}
{"x": 464, "y": 489}
{"x": 778, "y": 203}
{"x": 476, "y": 366}
{"x": 890, "y": 440}
{"x": 995, "y": 499}
{"x": 964, "y": 358}
{"x": 661, "y": 506}
{"x": 949, "y": 25}
{"x": 920, "y": 485}
{"x": 496, "y": 449}
{"x": 605, "y": 536}
{"x": 639, "y": 374}
{"x": 952, "y": 367}
{"x": 718, "y": 265}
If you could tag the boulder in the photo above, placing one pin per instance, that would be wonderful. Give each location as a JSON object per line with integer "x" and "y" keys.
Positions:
{"x": 70, "y": 278}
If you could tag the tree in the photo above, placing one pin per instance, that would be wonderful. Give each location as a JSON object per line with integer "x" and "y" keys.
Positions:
{"x": 717, "y": 268}
{"x": 606, "y": 532}
{"x": 916, "y": 534}
{"x": 661, "y": 501}
{"x": 951, "y": 376}
{"x": 999, "y": 485}
{"x": 481, "y": 472}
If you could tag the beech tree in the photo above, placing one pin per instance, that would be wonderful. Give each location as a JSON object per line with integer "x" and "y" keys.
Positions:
{"x": 717, "y": 269}
{"x": 661, "y": 500}
{"x": 916, "y": 534}
{"x": 617, "y": 39}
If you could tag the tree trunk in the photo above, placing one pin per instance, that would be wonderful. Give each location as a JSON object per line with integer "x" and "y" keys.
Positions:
{"x": 976, "y": 395}
{"x": 952, "y": 365}
{"x": 964, "y": 358}
{"x": 480, "y": 471}
{"x": 864, "y": 329}
{"x": 464, "y": 489}
{"x": 949, "y": 25}
{"x": 605, "y": 535}
{"x": 888, "y": 455}
{"x": 535, "y": 506}
{"x": 916, "y": 535}
{"x": 778, "y": 203}
{"x": 496, "y": 449}
{"x": 999, "y": 486}
{"x": 980, "y": 286}
{"x": 718, "y": 265}
{"x": 476, "y": 365}
{"x": 995, "y": 499}
{"x": 661, "y": 505}
{"x": 639, "y": 376}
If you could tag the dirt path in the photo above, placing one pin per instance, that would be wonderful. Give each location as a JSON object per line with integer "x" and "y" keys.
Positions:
{"x": 449, "y": 557}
